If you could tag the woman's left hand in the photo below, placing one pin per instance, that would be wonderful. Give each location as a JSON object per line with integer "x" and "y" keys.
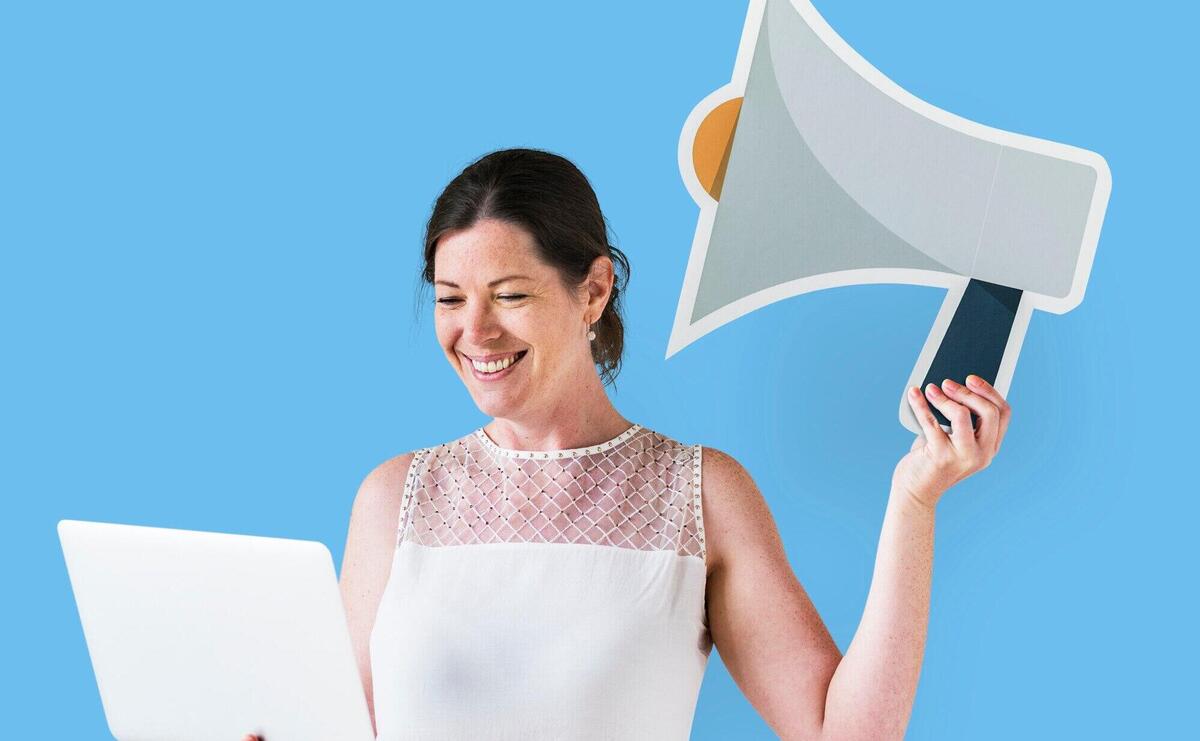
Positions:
{"x": 938, "y": 461}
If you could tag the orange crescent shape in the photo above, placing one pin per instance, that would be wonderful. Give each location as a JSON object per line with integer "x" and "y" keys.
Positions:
{"x": 714, "y": 140}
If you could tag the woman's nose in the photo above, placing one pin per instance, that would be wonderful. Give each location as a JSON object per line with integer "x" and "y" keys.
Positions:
{"x": 481, "y": 324}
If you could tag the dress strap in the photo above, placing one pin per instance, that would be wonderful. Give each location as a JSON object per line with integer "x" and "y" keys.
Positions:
{"x": 415, "y": 468}
{"x": 697, "y": 462}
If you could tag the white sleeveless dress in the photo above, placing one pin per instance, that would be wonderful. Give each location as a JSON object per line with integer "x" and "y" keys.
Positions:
{"x": 545, "y": 594}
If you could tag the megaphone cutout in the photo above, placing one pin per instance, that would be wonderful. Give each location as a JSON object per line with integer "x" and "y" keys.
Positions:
{"x": 814, "y": 170}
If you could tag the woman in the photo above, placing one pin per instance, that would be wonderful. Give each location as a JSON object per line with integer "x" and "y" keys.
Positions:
{"x": 563, "y": 572}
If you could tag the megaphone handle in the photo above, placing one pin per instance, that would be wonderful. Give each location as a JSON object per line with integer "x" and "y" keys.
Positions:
{"x": 975, "y": 339}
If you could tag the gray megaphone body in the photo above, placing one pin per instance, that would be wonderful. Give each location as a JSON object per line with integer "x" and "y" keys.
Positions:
{"x": 814, "y": 170}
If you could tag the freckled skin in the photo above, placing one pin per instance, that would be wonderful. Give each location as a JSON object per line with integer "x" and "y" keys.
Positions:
{"x": 554, "y": 392}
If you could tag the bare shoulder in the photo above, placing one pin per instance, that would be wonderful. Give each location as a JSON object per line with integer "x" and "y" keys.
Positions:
{"x": 377, "y": 503}
{"x": 735, "y": 512}
{"x": 388, "y": 477}
{"x": 374, "y": 518}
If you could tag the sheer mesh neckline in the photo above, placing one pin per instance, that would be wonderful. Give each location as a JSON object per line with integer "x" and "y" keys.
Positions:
{"x": 567, "y": 453}
{"x": 639, "y": 490}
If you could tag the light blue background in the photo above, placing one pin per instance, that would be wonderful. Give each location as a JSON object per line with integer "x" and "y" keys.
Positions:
{"x": 210, "y": 216}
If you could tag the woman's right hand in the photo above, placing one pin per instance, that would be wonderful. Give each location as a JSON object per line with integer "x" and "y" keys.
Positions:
{"x": 251, "y": 737}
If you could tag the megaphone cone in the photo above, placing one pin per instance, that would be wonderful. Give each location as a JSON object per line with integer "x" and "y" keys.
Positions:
{"x": 814, "y": 170}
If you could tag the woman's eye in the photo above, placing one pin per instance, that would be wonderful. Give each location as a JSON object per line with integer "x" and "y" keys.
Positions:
{"x": 506, "y": 297}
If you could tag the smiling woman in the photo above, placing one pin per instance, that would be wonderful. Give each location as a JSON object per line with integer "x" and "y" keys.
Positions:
{"x": 549, "y": 568}
{"x": 534, "y": 219}
{"x": 483, "y": 324}
{"x": 548, "y": 575}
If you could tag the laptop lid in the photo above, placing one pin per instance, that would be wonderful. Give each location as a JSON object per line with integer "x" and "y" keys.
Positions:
{"x": 200, "y": 635}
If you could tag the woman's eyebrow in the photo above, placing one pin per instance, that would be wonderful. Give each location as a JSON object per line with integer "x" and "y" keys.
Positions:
{"x": 493, "y": 283}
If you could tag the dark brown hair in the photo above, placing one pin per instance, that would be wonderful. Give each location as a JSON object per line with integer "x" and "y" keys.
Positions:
{"x": 550, "y": 198}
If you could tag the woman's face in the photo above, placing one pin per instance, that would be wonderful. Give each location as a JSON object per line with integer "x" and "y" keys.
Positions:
{"x": 496, "y": 300}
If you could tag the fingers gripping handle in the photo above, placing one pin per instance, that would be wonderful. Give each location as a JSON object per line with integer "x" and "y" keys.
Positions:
{"x": 979, "y": 330}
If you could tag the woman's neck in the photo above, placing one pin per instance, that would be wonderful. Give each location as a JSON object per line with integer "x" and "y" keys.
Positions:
{"x": 574, "y": 423}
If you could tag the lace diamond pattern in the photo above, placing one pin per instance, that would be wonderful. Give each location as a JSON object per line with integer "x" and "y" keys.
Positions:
{"x": 640, "y": 490}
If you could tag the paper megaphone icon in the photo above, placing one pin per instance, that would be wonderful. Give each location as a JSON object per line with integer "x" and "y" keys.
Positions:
{"x": 813, "y": 170}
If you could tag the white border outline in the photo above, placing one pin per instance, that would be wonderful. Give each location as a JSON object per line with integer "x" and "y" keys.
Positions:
{"x": 683, "y": 332}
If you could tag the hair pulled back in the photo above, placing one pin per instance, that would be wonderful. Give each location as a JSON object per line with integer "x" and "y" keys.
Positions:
{"x": 549, "y": 197}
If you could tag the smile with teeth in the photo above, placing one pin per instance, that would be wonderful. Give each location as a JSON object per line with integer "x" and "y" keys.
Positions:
{"x": 496, "y": 366}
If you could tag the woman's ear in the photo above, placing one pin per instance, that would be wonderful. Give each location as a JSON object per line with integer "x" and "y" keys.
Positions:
{"x": 599, "y": 284}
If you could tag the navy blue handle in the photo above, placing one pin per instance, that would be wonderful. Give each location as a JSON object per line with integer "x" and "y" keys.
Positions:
{"x": 975, "y": 340}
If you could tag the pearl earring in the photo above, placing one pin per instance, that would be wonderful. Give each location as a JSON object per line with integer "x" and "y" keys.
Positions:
{"x": 591, "y": 335}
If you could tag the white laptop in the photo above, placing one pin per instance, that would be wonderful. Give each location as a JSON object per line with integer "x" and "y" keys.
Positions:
{"x": 201, "y": 636}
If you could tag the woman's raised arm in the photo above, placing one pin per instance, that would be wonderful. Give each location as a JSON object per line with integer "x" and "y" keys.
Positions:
{"x": 768, "y": 632}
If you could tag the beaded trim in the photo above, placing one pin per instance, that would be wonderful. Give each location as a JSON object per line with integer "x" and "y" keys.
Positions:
{"x": 696, "y": 465}
{"x": 414, "y": 465}
{"x": 568, "y": 453}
